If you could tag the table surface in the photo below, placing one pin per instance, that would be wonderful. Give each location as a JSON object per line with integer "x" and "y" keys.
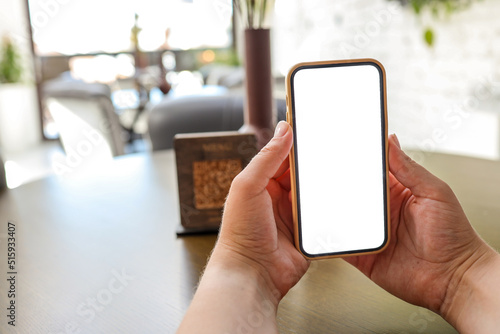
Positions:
{"x": 98, "y": 254}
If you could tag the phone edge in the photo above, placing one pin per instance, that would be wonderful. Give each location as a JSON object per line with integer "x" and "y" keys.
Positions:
{"x": 293, "y": 189}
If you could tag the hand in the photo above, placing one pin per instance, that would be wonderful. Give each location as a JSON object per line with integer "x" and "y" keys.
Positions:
{"x": 432, "y": 243}
{"x": 254, "y": 262}
{"x": 257, "y": 226}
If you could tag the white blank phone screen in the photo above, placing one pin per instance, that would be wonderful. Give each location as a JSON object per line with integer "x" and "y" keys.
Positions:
{"x": 339, "y": 138}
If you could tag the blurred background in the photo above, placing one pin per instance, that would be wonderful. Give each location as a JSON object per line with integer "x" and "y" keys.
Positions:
{"x": 85, "y": 81}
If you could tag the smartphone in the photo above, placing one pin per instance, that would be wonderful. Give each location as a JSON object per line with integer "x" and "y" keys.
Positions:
{"x": 338, "y": 162}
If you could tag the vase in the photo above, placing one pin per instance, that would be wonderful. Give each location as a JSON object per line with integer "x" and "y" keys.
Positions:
{"x": 3, "y": 181}
{"x": 260, "y": 110}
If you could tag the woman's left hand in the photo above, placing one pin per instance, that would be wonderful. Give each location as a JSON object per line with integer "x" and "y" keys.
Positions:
{"x": 257, "y": 226}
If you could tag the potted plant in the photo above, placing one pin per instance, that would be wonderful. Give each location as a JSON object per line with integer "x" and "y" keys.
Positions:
{"x": 10, "y": 63}
{"x": 19, "y": 127}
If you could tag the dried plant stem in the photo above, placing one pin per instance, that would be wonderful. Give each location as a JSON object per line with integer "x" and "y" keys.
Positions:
{"x": 251, "y": 11}
{"x": 236, "y": 7}
{"x": 262, "y": 15}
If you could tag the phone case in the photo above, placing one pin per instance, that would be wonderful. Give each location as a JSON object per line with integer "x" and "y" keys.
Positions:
{"x": 289, "y": 117}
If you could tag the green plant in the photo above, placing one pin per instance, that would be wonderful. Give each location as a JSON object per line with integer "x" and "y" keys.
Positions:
{"x": 253, "y": 12}
{"x": 437, "y": 8}
{"x": 10, "y": 62}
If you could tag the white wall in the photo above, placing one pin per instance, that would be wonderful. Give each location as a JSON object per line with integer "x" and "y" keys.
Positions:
{"x": 445, "y": 98}
{"x": 19, "y": 115}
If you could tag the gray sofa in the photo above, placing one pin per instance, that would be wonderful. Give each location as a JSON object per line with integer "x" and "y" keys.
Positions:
{"x": 199, "y": 113}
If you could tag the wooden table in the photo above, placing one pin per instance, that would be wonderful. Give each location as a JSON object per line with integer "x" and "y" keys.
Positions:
{"x": 98, "y": 254}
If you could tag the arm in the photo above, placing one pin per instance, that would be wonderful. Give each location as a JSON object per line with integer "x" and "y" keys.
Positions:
{"x": 254, "y": 262}
{"x": 231, "y": 298}
{"x": 435, "y": 258}
{"x": 472, "y": 304}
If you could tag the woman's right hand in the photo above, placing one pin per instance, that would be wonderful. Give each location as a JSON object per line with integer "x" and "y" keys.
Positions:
{"x": 435, "y": 258}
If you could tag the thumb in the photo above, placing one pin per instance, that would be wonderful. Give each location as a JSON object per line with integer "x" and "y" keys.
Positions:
{"x": 255, "y": 177}
{"x": 419, "y": 180}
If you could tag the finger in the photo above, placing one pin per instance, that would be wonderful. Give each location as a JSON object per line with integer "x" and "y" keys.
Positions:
{"x": 255, "y": 177}
{"x": 285, "y": 215}
{"x": 284, "y": 180}
{"x": 353, "y": 260}
{"x": 283, "y": 168}
{"x": 409, "y": 173}
{"x": 392, "y": 180}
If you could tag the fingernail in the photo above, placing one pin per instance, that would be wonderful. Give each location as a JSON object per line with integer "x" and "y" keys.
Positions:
{"x": 281, "y": 129}
{"x": 396, "y": 141}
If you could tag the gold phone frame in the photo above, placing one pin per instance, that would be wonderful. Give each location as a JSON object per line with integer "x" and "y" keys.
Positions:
{"x": 289, "y": 118}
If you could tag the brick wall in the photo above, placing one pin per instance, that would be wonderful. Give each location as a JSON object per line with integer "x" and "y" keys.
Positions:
{"x": 445, "y": 98}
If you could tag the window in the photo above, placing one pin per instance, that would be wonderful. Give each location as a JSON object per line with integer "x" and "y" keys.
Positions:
{"x": 71, "y": 27}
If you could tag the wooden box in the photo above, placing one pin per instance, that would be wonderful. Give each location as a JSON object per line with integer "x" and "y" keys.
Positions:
{"x": 206, "y": 165}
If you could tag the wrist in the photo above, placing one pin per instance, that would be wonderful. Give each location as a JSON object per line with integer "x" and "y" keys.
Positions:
{"x": 230, "y": 298}
{"x": 244, "y": 269}
{"x": 472, "y": 300}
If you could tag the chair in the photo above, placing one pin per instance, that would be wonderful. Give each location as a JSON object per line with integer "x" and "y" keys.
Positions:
{"x": 199, "y": 113}
{"x": 78, "y": 107}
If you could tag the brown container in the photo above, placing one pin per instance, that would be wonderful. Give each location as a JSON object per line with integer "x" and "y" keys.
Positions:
{"x": 260, "y": 111}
